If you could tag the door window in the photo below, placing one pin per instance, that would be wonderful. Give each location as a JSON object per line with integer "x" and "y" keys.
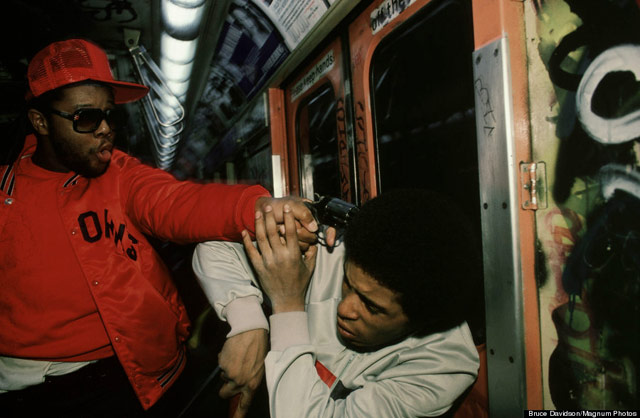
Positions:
{"x": 316, "y": 131}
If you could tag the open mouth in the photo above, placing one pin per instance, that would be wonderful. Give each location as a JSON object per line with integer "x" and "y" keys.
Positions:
{"x": 104, "y": 154}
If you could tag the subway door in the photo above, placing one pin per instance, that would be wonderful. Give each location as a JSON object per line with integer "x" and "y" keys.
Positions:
{"x": 415, "y": 126}
{"x": 315, "y": 113}
{"x": 508, "y": 216}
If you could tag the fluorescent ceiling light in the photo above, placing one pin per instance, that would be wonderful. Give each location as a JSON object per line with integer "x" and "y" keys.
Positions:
{"x": 175, "y": 71}
{"x": 177, "y": 50}
{"x": 167, "y": 114}
{"x": 182, "y": 22}
{"x": 178, "y": 88}
{"x": 188, "y": 3}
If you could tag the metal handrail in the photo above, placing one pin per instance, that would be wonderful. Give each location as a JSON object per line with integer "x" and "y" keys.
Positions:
{"x": 157, "y": 85}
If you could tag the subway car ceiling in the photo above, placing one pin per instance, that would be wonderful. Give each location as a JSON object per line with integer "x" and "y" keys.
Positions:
{"x": 207, "y": 63}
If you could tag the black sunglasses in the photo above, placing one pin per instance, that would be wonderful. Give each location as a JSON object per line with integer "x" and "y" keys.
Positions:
{"x": 88, "y": 120}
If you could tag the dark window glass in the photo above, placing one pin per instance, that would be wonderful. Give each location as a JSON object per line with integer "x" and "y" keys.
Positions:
{"x": 422, "y": 81}
{"x": 253, "y": 163}
{"x": 423, "y": 106}
{"x": 316, "y": 131}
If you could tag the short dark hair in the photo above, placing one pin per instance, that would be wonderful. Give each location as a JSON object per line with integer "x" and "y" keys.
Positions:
{"x": 419, "y": 244}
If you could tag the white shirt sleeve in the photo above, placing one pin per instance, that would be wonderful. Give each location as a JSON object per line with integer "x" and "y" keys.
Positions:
{"x": 225, "y": 276}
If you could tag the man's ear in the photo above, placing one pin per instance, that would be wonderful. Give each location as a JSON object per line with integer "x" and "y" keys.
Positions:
{"x": 38, "y": 121}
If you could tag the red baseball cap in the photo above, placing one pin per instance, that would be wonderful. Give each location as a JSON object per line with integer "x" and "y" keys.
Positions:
{"x": 76, "y": 60}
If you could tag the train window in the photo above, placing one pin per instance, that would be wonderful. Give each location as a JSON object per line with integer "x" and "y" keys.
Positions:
{"x": 423, "y": 108}
{"x": 316, "y": 131}
{"x": 423, "y": 104}
{"x": 253, "y": 164}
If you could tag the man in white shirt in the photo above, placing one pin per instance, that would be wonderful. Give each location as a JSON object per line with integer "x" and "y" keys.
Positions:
{"x": 373, "y": 328}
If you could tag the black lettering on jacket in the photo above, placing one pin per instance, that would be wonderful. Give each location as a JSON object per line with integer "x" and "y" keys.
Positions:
{"x": 82, "y": 221}
{"x": 91, "y": 228}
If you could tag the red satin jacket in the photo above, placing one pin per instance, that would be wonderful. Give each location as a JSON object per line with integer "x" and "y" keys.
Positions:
{"x": 79, "y": 279}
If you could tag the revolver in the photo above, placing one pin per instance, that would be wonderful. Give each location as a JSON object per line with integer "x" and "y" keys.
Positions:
{"x": 331, "y": 211}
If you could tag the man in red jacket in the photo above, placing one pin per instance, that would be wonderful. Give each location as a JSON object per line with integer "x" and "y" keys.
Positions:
{"x": 90, "y": 322}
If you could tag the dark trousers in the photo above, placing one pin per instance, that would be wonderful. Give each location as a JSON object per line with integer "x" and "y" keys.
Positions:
{"x": 98, "y": 390}
{"x": 102, "y": 390}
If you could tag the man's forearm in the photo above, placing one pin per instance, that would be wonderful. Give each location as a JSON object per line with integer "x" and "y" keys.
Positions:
{"x": 225, "y": 277}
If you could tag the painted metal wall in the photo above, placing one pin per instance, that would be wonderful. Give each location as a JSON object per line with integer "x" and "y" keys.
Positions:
{"x": 584, "y": 107}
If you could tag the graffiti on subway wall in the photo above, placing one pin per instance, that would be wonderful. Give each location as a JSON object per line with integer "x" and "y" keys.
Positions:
{"x": 591, "y": 51}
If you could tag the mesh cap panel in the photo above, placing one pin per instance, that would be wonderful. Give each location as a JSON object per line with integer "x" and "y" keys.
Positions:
{"x": 75, "y": 60}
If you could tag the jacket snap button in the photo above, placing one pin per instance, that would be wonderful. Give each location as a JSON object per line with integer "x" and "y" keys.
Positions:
{"x": 95, "y": 283}
{"x": 8, "y": 201}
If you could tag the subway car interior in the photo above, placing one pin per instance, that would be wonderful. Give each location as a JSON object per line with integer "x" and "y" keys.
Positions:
{"x": 525, "y": 113}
